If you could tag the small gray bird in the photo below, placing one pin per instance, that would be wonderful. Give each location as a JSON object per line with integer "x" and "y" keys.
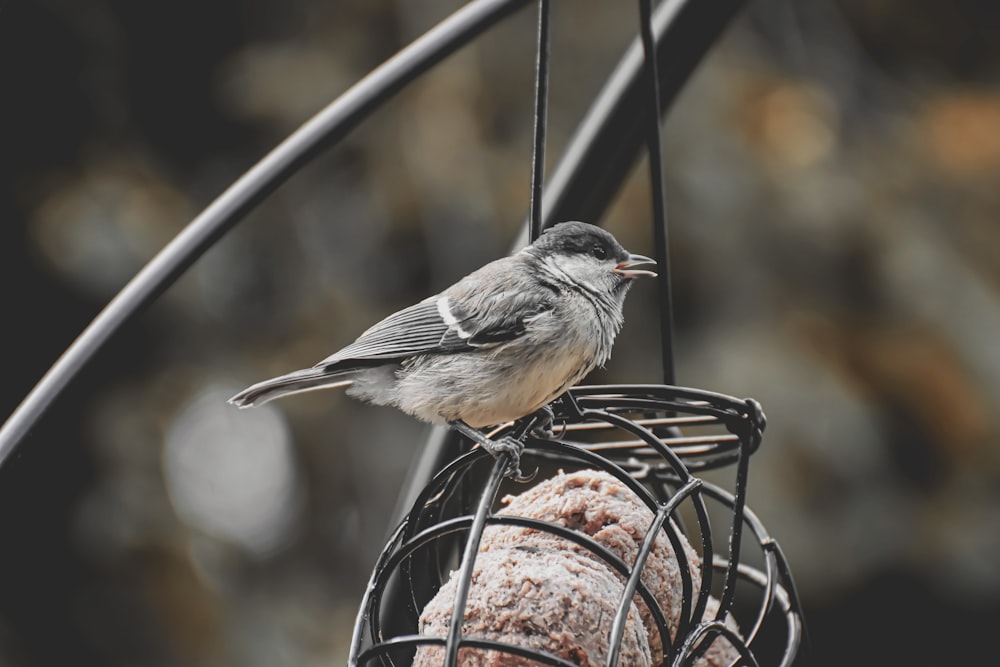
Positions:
{"x": 500, "y": 344}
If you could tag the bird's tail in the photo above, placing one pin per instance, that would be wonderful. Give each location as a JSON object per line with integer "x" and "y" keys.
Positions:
{"x": 295, "y": 382}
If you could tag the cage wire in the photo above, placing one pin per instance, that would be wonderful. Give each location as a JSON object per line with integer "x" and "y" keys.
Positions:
{"x": 651, "y": 439}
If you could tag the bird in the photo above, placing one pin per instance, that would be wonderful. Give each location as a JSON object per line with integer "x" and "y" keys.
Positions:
{"x": 497, "y": 346}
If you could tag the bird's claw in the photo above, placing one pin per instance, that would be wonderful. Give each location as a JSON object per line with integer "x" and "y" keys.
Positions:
{"x": 511, "y": 448}
{"x": 543, "y": 418}
{"x": 520, "y": 477}
{"x": 508, "y": 447}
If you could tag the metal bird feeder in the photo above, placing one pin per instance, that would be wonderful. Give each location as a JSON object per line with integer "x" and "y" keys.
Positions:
{"x": 652, "y": 438}
{"x": 632, "y": 432}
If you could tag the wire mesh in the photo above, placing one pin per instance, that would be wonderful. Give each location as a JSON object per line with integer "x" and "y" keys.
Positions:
{"x": 651, "y": 439}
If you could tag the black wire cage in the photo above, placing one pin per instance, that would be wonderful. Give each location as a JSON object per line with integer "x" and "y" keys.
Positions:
{"x": 651, "y": 439}
{"x": 733, "y": 585}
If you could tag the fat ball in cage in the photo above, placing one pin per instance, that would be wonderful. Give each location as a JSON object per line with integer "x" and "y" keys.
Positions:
{"x": 640, "y": 442}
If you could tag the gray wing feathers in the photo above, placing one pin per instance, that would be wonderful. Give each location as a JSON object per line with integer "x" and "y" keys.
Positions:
{"x": 412, "y": 330}
{"x": 486, "y": 308}
{"x": 496, "y": 303}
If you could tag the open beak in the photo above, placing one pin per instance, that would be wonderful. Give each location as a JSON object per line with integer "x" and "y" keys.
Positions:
{"x": 625, "y": 270}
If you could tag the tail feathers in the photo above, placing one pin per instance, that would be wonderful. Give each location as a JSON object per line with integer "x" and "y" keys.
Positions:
{"x": 309, "y": 379}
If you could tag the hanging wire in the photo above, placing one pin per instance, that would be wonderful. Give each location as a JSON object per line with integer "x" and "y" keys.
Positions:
{"x": 656, "y": 188}
{"x": 541, "y": 113}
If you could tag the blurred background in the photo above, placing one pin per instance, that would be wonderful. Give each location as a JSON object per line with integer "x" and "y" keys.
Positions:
{"x": 832, "y": 186}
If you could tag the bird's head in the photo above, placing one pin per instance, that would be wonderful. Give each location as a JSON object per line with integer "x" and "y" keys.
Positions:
{"x": 590, "y": 257}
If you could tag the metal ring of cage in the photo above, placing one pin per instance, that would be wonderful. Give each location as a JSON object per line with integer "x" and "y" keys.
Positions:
{"x": 633, "y": 432}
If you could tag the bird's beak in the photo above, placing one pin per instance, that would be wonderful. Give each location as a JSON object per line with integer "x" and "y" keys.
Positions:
{"x": 624, "y": 269}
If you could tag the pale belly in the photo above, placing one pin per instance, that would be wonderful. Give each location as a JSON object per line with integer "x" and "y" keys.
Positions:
{"x": 483, "y": 390}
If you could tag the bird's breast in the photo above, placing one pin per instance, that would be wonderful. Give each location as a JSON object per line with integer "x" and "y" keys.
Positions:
{"x": 505, "y": 383}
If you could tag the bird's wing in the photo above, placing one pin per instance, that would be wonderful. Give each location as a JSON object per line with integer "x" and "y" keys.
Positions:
{"x": 488, "y": 313}
{"x": 412, "y": 330}
{"x": 484, "y": 314}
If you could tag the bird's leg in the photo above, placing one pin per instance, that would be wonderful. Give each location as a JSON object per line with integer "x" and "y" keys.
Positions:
{"x": 542, "y": 420}
{"x": 545, "y": 417}
{"x": 506, "y": 445}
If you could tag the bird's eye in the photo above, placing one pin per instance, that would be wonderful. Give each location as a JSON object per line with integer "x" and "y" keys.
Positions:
{"x": 599, "y": 251}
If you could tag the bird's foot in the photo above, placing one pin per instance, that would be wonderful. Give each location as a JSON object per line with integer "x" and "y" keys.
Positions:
{"x": 541, "y": 423}
{"x": 507, "y": 447}
{"x": 544, "y": 419}
{"x": 511, "y": 448}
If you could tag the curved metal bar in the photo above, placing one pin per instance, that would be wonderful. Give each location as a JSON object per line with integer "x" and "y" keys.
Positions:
{"x": 646, "y": 435}
{"x": 797, "y": 630}
{"x": 378, "y": 588}
{"x": 418, "y": 572}
{"x": 784, "y": 596}
{"x": 618, "y": 625}
{"x": 469, "y": 558}
{"x": 370, "y": 598}
{"x": 736, "y": 534}
{"x": 704, "y": 636}
{"x": 769, "y": 548}
{"x": 383, "y": 649}
{"x": 327, "y": 127}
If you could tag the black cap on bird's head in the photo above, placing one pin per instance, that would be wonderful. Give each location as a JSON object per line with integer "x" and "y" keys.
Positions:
{"x": 581, "y": 238}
